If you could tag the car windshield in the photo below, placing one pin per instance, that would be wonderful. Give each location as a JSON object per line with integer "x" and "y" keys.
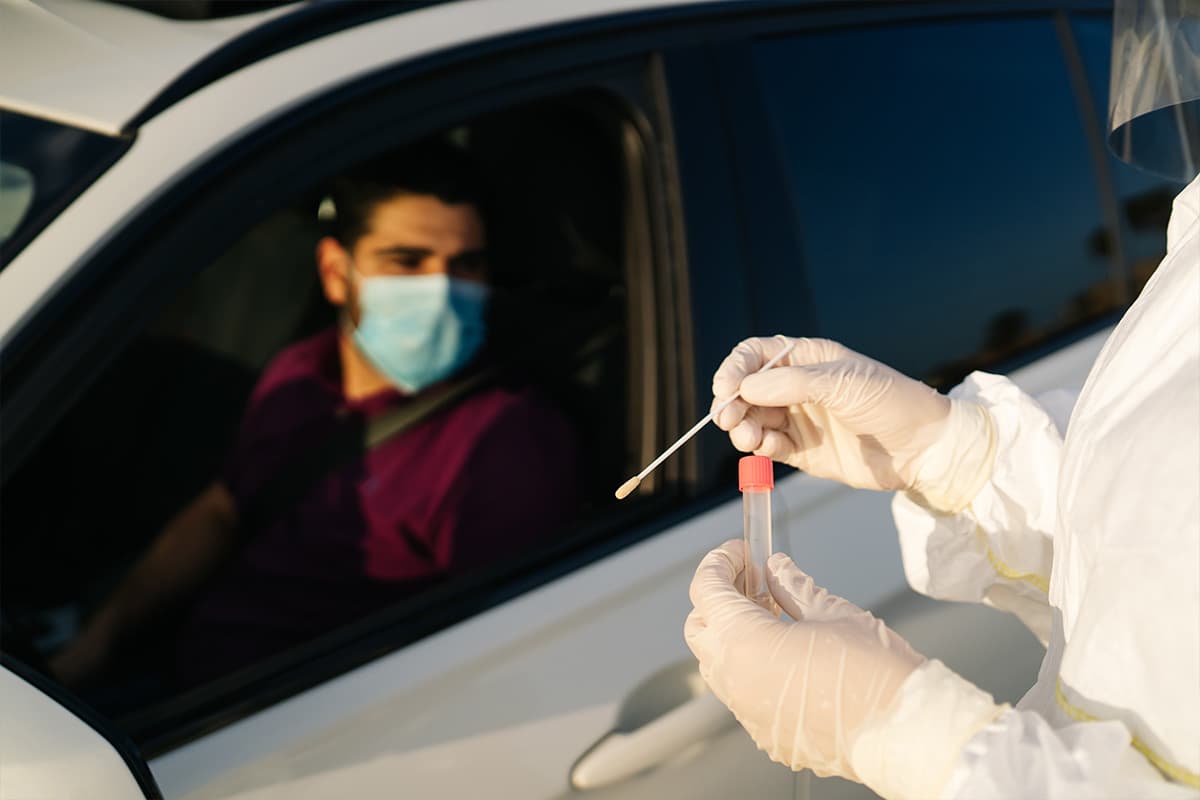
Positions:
{"x": 43, "y": 166}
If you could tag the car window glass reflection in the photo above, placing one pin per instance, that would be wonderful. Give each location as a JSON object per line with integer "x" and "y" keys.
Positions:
{"x": 956, "y": 184}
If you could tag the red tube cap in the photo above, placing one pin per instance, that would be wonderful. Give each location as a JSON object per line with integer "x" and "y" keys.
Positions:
{"x": 755, "y": 472}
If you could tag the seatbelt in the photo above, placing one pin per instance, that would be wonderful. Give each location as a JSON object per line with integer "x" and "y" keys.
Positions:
{"x": 351, "y": 438}
{"x": 392, "y": 422}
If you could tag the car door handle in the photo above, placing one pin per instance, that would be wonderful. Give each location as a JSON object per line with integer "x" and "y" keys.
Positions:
{"x": 621, "y": 755}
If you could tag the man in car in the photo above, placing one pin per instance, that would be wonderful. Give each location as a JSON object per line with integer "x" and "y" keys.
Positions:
{"x": 469, "y": 481}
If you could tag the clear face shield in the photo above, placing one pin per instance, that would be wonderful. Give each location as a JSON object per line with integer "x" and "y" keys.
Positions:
{"x": 1154, "y": 96}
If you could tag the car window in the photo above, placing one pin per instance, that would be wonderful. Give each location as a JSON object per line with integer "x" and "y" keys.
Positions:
{"x": 949, "y": 217}
{"x": 1143, "y": 199}
{"x": 43, "y": 165}
{"x": 238, "y": 378}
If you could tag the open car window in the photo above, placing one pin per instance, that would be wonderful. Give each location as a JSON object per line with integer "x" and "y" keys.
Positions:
{"x": 171, "y": 411}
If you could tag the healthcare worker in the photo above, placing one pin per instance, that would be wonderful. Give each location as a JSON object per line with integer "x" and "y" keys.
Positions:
{"x": 1092, "y": 540}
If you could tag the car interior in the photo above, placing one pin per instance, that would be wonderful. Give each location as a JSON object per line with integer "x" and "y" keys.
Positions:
{"x": 147, "y": 436}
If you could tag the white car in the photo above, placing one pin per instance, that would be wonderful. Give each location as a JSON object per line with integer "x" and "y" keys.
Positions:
{"x": 925, "y": 182}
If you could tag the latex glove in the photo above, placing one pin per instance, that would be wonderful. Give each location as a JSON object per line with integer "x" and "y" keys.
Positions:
{"x": 837, "y": 414}
{"x": 835, "y": 691}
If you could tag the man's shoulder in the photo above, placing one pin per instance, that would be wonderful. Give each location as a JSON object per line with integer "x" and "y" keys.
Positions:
{"x": 525, "y": 439}
{"x": 501, "y": 401}
{"x": 514, "y": 413}
{"x": 495, "y": 411}
{"x": 313, "y": 357}
{"x": 300, "y": 379}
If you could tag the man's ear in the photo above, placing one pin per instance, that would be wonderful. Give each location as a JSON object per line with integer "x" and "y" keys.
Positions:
{"x": 333, "y": 266}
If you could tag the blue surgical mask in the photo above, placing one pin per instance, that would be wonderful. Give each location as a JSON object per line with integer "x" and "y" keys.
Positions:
{"x": 419, "y": 329}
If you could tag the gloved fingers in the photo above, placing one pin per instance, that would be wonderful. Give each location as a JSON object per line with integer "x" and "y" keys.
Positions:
{"x": 770, "y": 418}
{"x": 833, "y": 384}
{"x": 785, "y": 386}
{"x": 694, "y": 629}
{"x": 747, "y": 357}
{"x": 716, "y": 596}
{"x": 748, "y": 434}
{"x": 716, "y": 575}
{"x": 777, "y": 446}
{"x": 708, "y": 651}
{"x": 800, "y": 597}
{"x": 728, "y": 418}
{"x": 817, "y": 351}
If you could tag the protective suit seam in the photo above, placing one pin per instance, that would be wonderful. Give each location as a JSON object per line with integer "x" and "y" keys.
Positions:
{"x": 1039, "y": 582}
{"x": 1173, "y": 771}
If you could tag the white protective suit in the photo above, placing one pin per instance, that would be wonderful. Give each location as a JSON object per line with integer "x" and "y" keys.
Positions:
{"x": 1094, "y": 542}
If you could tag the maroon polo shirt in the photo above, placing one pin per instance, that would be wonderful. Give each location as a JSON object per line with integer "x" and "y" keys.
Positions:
{"x": 473, "y": 484}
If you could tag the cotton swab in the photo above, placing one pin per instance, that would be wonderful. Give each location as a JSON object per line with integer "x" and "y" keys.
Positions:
{"x": 628, "y": 486}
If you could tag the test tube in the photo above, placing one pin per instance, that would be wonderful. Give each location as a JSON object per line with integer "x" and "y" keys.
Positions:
{"x": 756, "y": 479}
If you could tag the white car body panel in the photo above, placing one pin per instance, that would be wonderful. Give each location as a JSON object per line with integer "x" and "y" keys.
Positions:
{"x": 506, "y": 701}
{"x": 50, "y": 753}
{"x": 127, "y": 55}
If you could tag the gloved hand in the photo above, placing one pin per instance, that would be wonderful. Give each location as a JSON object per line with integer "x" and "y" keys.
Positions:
{"x": 835, "y": 691}
{"x": 836, "y": 414}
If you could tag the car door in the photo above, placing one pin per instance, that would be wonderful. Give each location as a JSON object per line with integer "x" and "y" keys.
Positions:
{"x": 581, "y": 685}
{"x": 54, "y": 747}
{"x": 569, "y": 676}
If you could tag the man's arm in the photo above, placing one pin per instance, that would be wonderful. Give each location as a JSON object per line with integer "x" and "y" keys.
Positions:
{"x": 190, "y": 548}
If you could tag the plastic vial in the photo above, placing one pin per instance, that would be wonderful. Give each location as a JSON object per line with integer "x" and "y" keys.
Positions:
{"x": 756, "y": 479}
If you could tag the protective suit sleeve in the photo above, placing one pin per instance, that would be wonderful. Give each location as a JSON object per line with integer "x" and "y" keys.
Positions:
{"x": 1020, "y": 755}
{"x": 998, "y": 549}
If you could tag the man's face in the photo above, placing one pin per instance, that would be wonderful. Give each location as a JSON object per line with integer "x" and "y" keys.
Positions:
{"x": 406, "y": 235}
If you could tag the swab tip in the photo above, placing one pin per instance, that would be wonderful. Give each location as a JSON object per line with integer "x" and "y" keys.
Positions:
{"x": 627, "y": 487}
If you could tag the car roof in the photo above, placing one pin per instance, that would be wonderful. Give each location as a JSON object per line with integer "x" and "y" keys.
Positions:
{"x": 140, "y": 63}
{"x": 128, "y": 56}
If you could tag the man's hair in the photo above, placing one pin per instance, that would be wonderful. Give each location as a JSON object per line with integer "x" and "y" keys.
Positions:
{"x": 430, "y": 167}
